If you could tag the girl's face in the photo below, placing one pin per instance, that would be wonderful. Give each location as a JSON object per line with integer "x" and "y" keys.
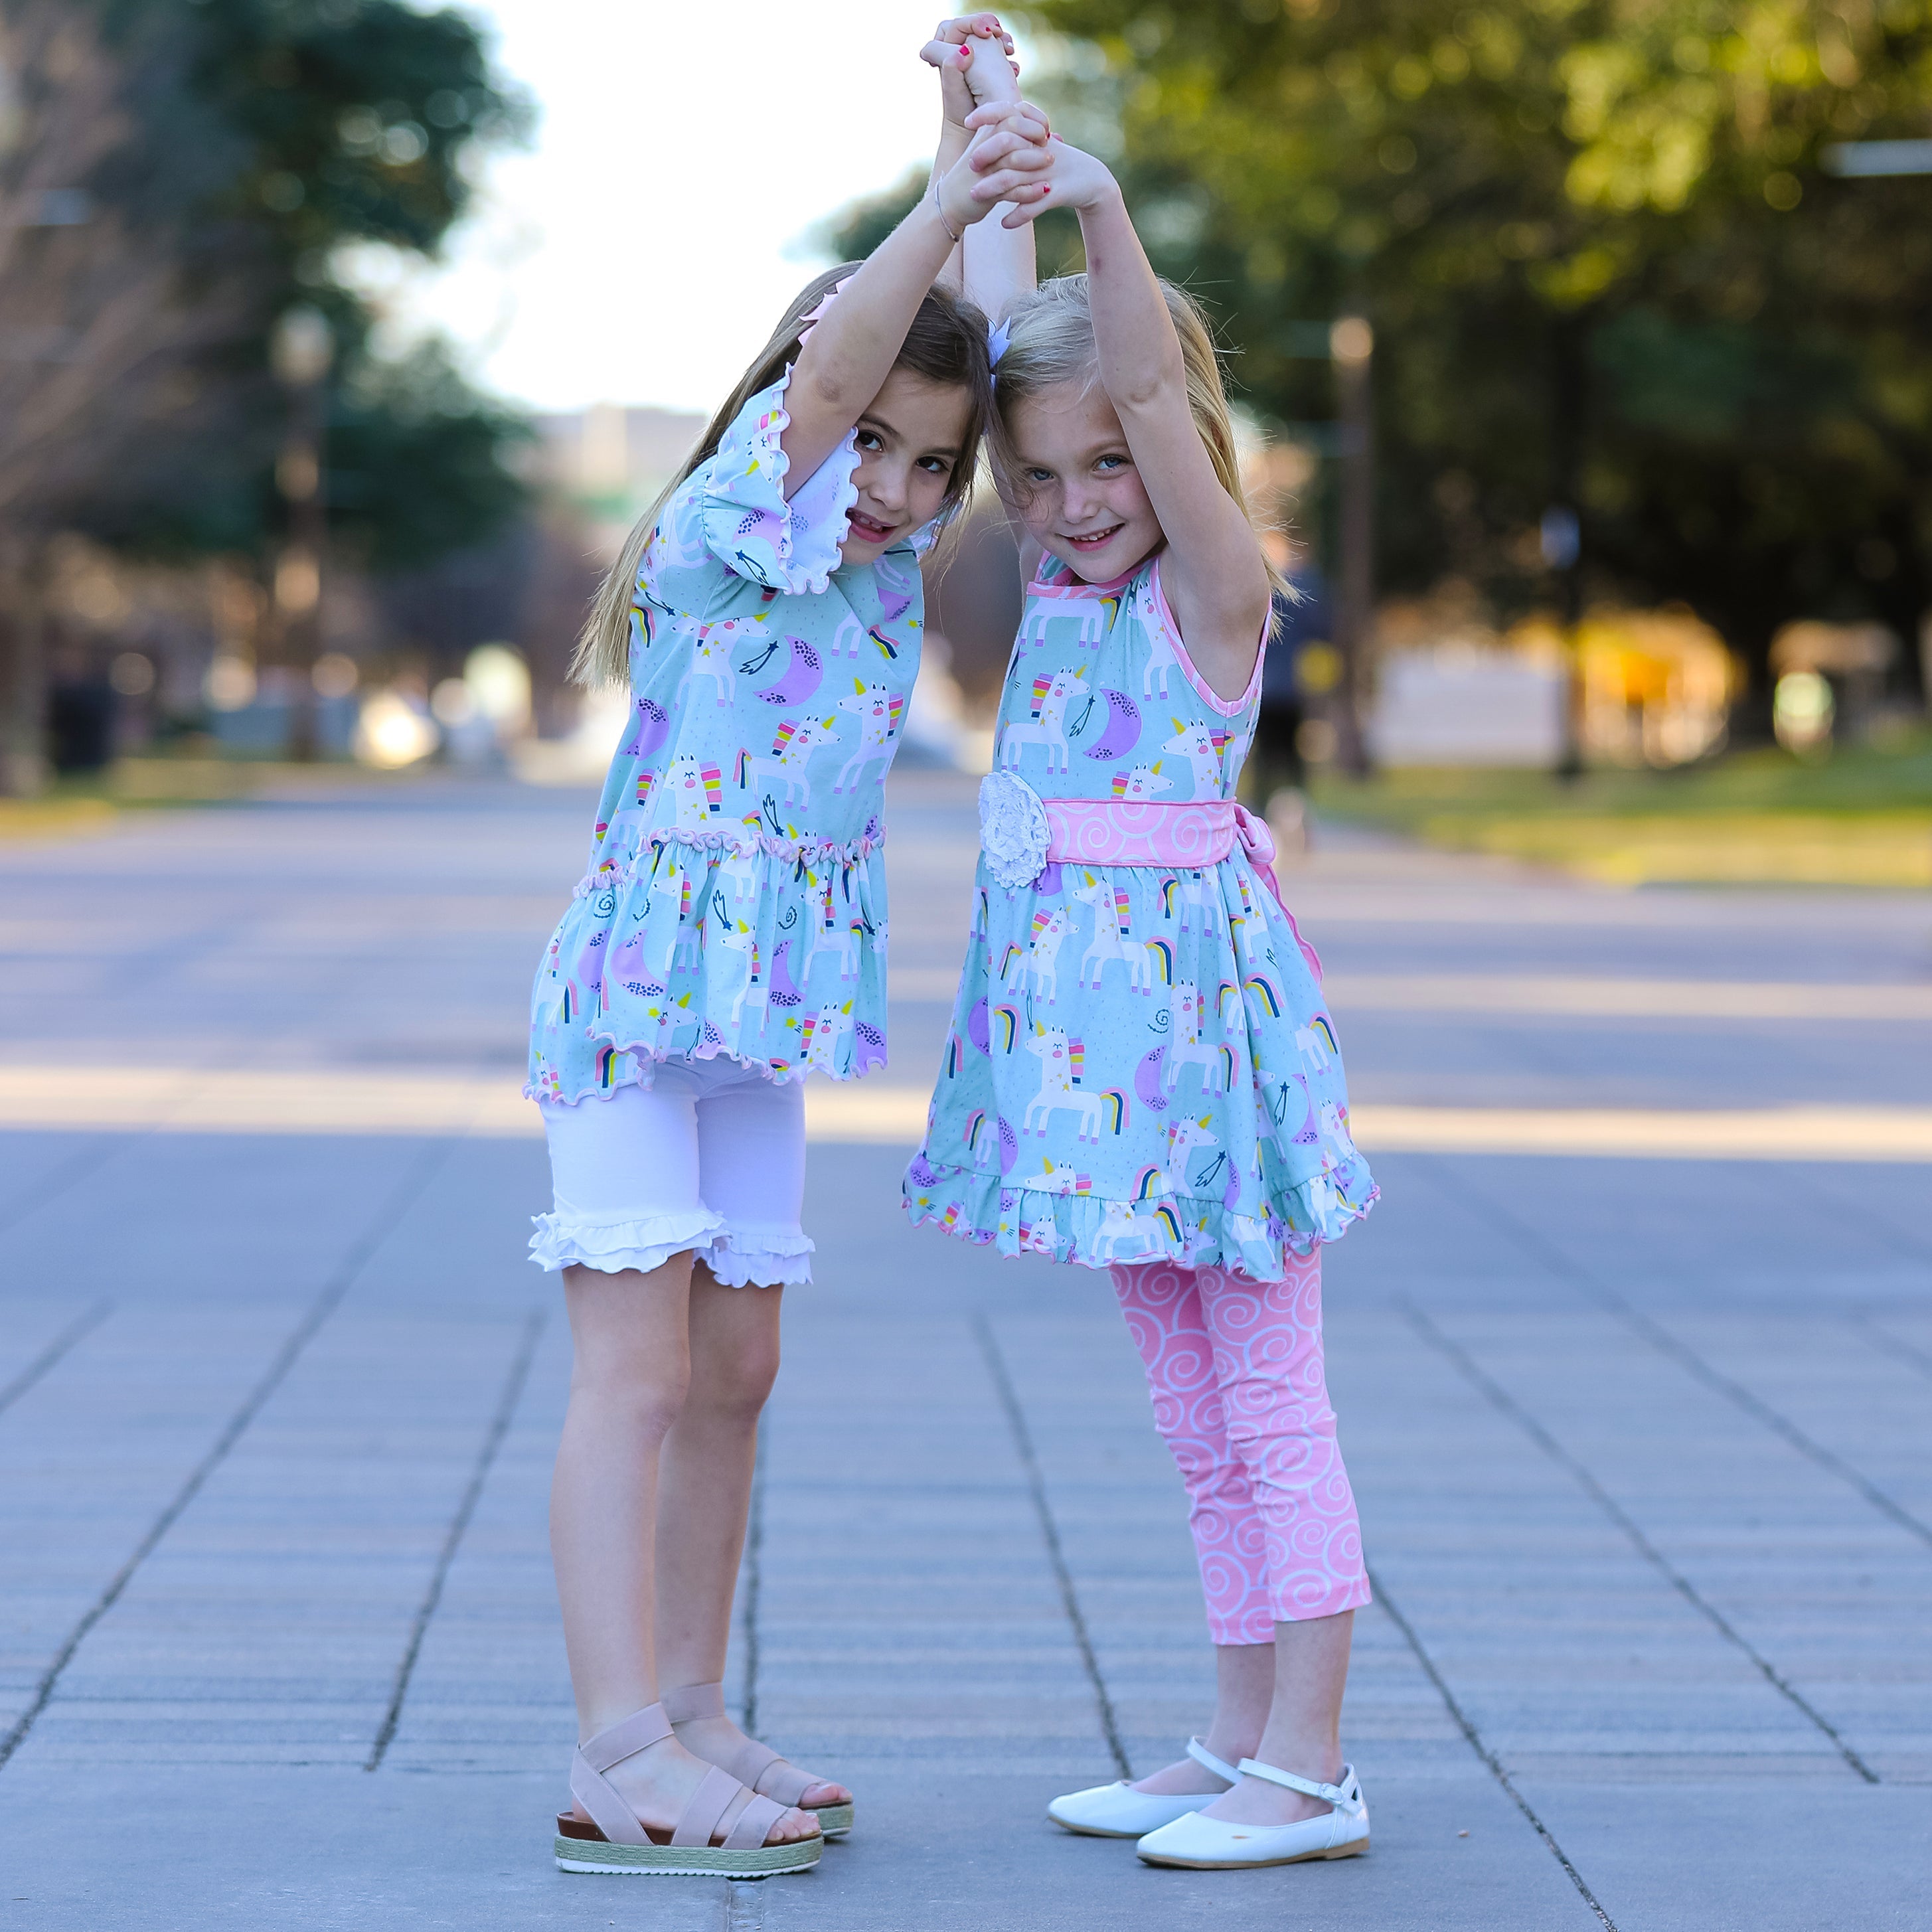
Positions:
{"x": 1080, "y": 496}
{"x": 912, "y": 441}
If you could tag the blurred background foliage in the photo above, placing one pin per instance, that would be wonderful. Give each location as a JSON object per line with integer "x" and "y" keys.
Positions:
{"x": 175, "y": 177}
{"x": 1605, "y": 266}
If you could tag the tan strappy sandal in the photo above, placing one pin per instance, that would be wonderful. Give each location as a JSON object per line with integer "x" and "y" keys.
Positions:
{"x": 753, "y": 1763}
{"x": 615, "y": 1840}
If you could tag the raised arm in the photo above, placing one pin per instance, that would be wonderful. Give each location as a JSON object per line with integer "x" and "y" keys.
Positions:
{"x": 1212, "y": 569}
{"x": 973, "y": 54}
{"x": 851, "y": 350}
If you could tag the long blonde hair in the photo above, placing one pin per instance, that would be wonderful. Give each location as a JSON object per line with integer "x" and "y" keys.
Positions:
{"x": 946, "y": 343}
{"x": 1050, "y": 340}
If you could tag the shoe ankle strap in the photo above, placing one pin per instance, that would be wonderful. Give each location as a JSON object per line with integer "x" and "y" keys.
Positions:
{"x": 1206, "y": 1759}
{"x": 638, "y": 1731}
{"x": 693, "y": 1700}
{"x": 1345, "y": 1796}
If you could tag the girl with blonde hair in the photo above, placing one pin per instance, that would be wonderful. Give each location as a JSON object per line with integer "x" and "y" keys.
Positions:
{"x": 1142, "y": 1076}
{"x": 728, "y": 935}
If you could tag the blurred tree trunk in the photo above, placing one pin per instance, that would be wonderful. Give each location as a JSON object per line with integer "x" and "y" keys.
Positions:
{"x": 98, "y": 334}
{"x": 23, "y": 672}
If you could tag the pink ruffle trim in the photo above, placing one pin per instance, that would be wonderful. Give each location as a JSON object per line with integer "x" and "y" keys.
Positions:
{"x": 739, "y": 845}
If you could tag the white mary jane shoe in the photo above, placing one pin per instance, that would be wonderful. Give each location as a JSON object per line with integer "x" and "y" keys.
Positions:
{"x": 1119, "y": 1811}
{"x": 1214, "y": 1844}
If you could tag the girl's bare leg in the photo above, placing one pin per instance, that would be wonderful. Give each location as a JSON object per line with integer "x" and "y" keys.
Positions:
{"x": 705, "y": 1492}
{"x": 1280, "y": 1702}
{"x": 629, "y": 1384}
{"x": 1303, "y": 1731}
{"x": 1244, "y": 1690}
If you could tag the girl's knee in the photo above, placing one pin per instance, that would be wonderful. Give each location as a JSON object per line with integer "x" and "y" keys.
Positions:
{"x": 642, "y": 1396}
{"x": 737, "y": 1384}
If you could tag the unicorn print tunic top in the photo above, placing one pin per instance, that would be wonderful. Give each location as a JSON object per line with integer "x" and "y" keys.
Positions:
{"x": 1141, "y": 1066}
{"x": 735, "y": 899}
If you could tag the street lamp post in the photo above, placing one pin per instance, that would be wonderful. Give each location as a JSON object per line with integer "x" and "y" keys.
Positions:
{"x": 1352, "y": 344}
{"x": 302, "y": 349}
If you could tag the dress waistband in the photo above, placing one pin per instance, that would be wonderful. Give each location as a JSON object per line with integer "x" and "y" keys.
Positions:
{"x": 1021, "y": 833}
{"x": 1120, "y": 832}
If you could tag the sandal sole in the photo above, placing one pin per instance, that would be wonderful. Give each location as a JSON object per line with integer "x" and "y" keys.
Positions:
{"x": 587, "y": 1855}
{"x": 834, "y": 1820}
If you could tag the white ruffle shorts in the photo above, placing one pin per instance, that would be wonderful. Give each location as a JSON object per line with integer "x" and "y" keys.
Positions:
{"x": 710, "y": 1157}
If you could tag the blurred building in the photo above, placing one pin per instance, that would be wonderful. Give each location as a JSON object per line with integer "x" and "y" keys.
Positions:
{"x": 611, "y": 460}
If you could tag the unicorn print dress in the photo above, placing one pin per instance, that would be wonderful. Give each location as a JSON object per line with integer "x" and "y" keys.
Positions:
{"x": 734, "y": 903}
{"x": 1141, "y": 1066}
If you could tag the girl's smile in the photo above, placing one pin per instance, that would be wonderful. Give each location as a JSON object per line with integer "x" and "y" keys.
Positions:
{"x": 1075, "y": 483}
{"x": 910, "y": 439}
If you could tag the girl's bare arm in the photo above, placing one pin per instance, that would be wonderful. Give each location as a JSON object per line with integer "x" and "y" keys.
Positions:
{"x": 852, "y": 348}
{"x": 1212, "y": 569}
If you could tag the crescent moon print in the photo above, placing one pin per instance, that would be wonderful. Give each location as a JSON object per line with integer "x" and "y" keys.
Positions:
{"x": 653, "y": 728}
{"x": 801, "y": 676}
{"x": 1123, "y": 727}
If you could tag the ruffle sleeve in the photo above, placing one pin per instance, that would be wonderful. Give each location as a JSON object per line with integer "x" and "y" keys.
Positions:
{"x": 749, "y": 524}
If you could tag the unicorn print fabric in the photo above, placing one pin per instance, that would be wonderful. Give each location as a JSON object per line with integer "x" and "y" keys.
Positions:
{"x": 1141, "y": 1066}
{"x": 734, "y": 904}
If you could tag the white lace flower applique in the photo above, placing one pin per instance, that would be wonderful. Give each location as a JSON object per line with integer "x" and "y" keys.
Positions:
{"x": 1013, "y": 829}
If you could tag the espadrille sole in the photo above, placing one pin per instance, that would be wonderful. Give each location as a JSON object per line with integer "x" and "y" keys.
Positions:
{"x": 834, "y": 1820}
{"x": 590, "y": 1855}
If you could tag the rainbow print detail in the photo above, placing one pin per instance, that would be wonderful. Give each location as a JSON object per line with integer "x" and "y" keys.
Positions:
{"x": 645, "y": 781}
{"x": 714, "y": 787}
{"x": 1169, "y": 1062}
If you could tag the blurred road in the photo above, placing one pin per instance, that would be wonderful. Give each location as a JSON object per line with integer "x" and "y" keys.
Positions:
{"x": 1641, "y": 1445}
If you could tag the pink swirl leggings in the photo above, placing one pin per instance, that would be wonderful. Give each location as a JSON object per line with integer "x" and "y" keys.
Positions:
{"x": 1240, "y": 1398}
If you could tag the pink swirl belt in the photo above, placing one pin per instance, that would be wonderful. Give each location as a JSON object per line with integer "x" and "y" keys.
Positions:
{"x": 1118, "y": 832}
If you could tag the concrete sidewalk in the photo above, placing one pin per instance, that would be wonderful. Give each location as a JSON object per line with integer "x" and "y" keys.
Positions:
{"x": 1641, "y": 1447}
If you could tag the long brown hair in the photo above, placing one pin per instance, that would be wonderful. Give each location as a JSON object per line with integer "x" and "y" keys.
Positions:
{"x": 946, "y": 343}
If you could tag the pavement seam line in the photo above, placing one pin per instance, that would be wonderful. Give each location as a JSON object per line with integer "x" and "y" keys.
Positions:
{"x": 492, "y": 1441}
{"x": 324, "y": 1304}
{"x": 1501, "y": 1400}
{"x": 1069, "y": 1597}
{"x": 1474, "y": 1739}
{"x": 84, "y": 1161}
{"x": 744, "y": 1905}
{"x": 1660, "y": 1339}
{"x": 755, "y": 1555}
{"x": 1888, "y": 1344}
{"x": 50, "y": 1356}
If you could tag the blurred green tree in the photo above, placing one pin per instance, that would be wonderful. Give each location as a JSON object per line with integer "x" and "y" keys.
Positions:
{"x": 1605, "y": 262}
{"x": 173, "y": 178}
